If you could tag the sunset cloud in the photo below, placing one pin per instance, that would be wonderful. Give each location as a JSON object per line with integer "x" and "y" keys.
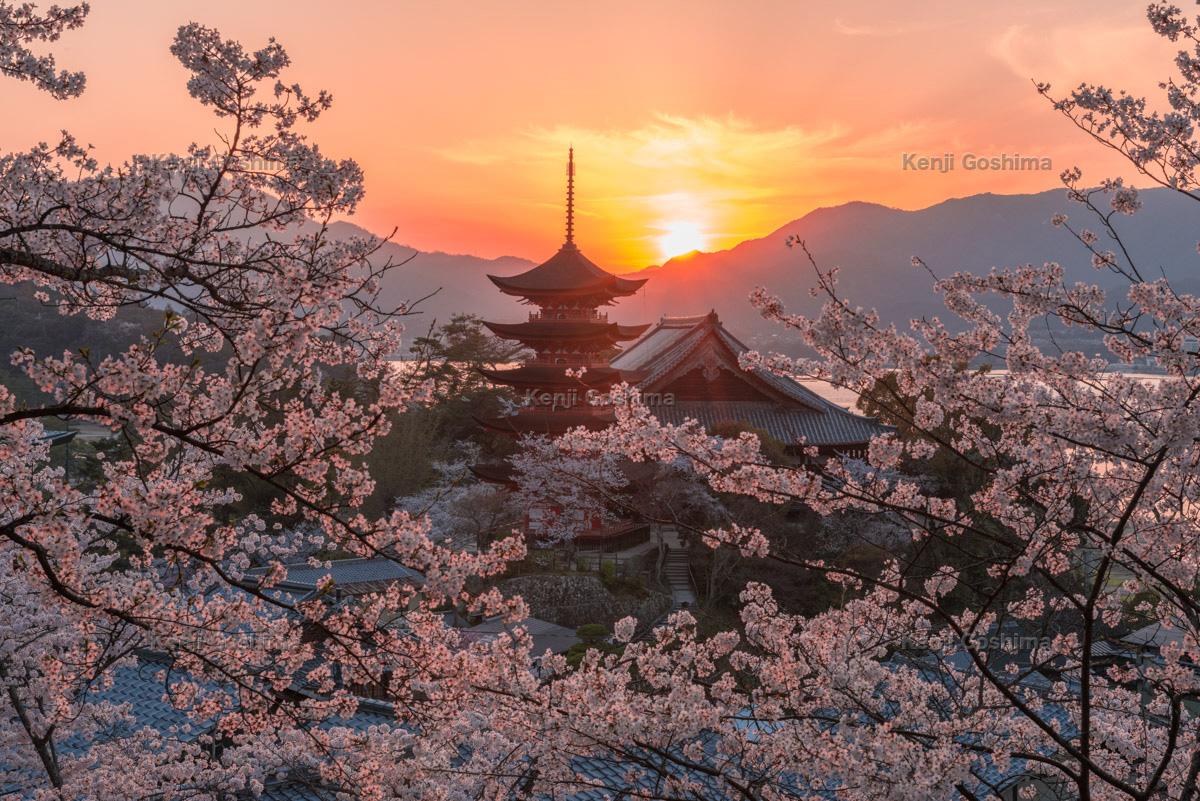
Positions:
{"x": 1091, "y": 50}
{"x": 719, "y": 121}
{"x": 708, "y": 147}
{"x": 888, "y": 30}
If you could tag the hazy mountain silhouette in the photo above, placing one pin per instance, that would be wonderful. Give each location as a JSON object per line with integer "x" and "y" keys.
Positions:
{"x": 449, "y": 283}
{"x": 872, "y": 244}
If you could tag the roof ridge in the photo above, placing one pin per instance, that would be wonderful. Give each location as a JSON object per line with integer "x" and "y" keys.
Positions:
{"x": 688, "y": 319}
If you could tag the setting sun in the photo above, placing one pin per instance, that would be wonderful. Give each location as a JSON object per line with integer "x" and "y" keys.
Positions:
{"x": 679, "y": 238}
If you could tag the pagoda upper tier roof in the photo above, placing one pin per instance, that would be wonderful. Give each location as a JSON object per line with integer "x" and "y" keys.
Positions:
{"x": 567, "y": 273}
{"x": 567, "y": 330}
{"x": 542, "y": 375}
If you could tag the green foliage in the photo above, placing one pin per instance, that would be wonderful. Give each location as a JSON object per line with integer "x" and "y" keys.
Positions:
{"x": 402, "y": 463}
{"x": 608, "y": 572}
{"x": 450, "y": 357}
{"x": 594, "y": 638}
{"x": 1139, "y": 606}
{"x": 29, "y": 323}
{"x": 592, "y": 632}
{"x": 959, "y": 475}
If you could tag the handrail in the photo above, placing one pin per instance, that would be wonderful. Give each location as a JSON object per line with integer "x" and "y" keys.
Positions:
{"x": 581, "y": 314}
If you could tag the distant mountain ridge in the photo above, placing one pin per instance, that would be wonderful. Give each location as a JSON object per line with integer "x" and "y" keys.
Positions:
{"x": 871, "y": 243}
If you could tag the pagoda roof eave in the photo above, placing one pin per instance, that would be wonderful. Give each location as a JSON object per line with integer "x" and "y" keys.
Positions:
{"x": 566, "y": 330}
{"x": 495, "y": 473}
{"x": 556, "y": 375}
{"x": 553, "y": 423}
{"x": 614, "y": 287}
{"x": 568, "y": 273}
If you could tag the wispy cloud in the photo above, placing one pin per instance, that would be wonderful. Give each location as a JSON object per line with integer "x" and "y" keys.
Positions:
{"x": 724, "y": 158}
{"x": 887, "y": 30}
{"x": 1095, "y": 50}
{"x": 726, "y": 146}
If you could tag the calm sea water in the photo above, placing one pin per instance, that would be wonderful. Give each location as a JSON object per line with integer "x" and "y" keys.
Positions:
{"x": 847, "y": 399}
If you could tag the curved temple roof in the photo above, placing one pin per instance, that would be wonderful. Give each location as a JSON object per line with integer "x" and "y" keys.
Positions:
{"x": 566, "y": 330}
{"x": 567, "y": 272}
{"x": 796, "y": 413}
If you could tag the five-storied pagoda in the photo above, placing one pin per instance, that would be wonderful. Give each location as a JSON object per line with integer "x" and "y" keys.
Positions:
{"x": 567, "y": 331}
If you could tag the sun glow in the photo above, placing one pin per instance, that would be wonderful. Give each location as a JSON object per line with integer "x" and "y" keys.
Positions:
{"x": 680, "y": 237}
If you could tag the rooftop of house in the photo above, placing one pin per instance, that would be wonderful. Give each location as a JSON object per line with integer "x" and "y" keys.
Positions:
{"x": 350, "y": 576}
{"x": 546, "y": 636}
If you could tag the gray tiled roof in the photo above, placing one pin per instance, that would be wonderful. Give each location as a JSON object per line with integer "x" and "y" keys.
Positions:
{"x": 804, "y": 415}
{"x": 614, "y": 776}
{"x": 347, "y": 573}
{"x": 661, "y": 338}
{"x": 143, "y": 689}
{"x": 788, "y": 425}
{"x": 545, "y": 635}
{"x": 1154, "y": 636}
{"x": 296, "y": 791}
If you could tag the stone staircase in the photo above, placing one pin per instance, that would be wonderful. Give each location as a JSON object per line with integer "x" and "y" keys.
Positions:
{"x": 676, "y": 577}
{"x": 675, "y": 572}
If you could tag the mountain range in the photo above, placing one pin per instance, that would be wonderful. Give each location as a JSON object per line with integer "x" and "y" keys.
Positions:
{"x": 873, "y": 246}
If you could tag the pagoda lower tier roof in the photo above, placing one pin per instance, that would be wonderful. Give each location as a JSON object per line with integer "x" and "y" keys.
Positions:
{"x": 555, "y": 375}
{"x": 567, "y": 331}
{"x": 552, "y": 422}
{"x": 567, "y": 273}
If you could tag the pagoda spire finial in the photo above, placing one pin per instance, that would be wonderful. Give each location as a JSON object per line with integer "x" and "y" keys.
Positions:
{"x": 571, "y": 196}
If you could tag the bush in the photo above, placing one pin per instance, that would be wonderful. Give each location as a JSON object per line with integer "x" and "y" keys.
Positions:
{"x": 592, "y": 633}
{"x": 608, "y": 572}
{"x": 594, "y": 636}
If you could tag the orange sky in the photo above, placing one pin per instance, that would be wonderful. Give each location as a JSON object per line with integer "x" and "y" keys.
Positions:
{"x": 713, "y": 121}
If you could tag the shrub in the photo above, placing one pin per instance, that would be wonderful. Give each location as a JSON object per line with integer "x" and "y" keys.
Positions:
{"x": 592, "y": 632}
{"x": 594, "y": 636}
{"x": 608, "y": 573}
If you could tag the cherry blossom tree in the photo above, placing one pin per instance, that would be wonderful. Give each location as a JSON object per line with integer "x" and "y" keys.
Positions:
{"x": 460, "y": 508}
{"x": 1079, "y": 526}
{"x": 568, "y": 493}
{"x": 232, "y": 241}
{"x": 919, "y": 685}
